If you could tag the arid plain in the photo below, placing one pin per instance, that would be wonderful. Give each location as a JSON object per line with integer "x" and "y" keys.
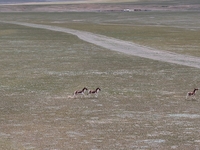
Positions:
{"x": 142, "y": 102}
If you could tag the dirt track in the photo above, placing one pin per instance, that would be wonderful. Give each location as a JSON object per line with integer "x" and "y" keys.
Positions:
{"x": 123, "y": 46}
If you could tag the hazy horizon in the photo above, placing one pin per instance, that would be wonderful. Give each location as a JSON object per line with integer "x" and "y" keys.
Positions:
{"x": 183, "y": 2}
{"x": 28, "y": 1}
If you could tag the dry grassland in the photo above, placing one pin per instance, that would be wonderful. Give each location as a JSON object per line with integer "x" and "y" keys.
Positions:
{"x": 142, "y": 103}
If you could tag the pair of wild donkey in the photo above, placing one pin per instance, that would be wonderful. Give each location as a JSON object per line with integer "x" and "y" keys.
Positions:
{"x": 82, "y": 92}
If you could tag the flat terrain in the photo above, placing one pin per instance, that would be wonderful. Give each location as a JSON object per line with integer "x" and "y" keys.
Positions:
{"x": 123, "y": 46}
{"x": 102, "y": 6}
{"x": 142, "y": 101}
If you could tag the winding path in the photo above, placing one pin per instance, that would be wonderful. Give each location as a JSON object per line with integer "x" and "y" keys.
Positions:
{"x": 122, "y": 46}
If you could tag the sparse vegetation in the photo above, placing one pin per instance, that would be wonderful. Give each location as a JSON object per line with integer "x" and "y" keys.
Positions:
{"x": 140, "y": 99}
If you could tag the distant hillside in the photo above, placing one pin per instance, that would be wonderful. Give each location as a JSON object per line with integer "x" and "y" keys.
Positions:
{"x": 19, "y": 1}
{"x": 98, "y": 5}
{"x": 175, "y": 2}
{"x": 28, "y": 1}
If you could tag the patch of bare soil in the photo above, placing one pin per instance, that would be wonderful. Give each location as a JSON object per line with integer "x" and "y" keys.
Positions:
{"x": 123, "y": 46}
